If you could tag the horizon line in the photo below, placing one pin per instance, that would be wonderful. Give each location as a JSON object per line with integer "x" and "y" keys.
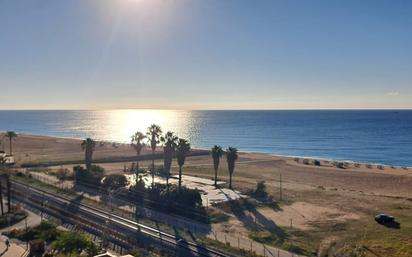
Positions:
{"x": 211, "y": 109}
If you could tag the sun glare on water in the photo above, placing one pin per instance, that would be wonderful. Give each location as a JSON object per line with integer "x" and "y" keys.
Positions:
{"x": 119, "y": 125}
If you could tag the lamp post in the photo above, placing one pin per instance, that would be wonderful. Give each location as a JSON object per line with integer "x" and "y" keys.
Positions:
{"x": 109, "y": 218}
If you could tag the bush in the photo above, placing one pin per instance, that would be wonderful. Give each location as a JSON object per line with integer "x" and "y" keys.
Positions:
{"x": 114, "y": 181}
{"x": 316, "y": 162}
{"x": 45, "y": 231}
{"x": 20, "y": 174}
{"x": 93, "y": 177}
{"x": 340, "y": 165}
{"x": 74, "y": 243}
{"x": 264, "y": 237}
{"x": 186, "y": 202}
{"x": 185, "y": 197}
{"x": 64, "y": 174}
{"x": 293, "y": 248}
{"x": 260, "y": 190}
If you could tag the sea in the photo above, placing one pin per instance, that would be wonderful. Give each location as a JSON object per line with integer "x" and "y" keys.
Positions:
{"x": 370, "y": 136}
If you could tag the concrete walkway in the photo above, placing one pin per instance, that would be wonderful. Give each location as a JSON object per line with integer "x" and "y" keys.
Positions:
{"x": 14, "y": 250}
{"x": 32, "y": 221}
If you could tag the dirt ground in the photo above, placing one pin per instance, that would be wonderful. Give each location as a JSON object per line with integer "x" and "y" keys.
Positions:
{"x": 304, "y": 215}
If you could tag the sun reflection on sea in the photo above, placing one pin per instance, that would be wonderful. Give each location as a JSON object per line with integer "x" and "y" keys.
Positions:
{"x": 119, "y": 125}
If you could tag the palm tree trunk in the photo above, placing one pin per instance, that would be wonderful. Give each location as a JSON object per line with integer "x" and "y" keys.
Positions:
{"x": 11, "y": 146}
{"x": 180, "y": 177}
{"x": 153, "y": 159}
{"x": 167, "y": 184}
{"x": 1, "y": 199}
{"x": 230, "y": 181}
{"x": 137, "y": 170}
{"x": 215, "y": 177}
{"x": 137, "y": 165}
{"x": 8, "y": 194}
{"x": 88, "y": 158}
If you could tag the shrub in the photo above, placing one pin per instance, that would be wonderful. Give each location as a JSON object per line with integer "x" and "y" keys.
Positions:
{"x": 114, "y": 181}
{"x": 74, "y": 243}
{"x": 186, "y": 202}
{"x": 316, "y": 162}
{"x": 185, "y": 197}
{"x": 264, "y": 237}
{"x": 63, "y": 174}
{"x": 20, "y": 174}
{"x": 45, "y": 231}
{"x": 340, "y": 165}
{"x": 260, "y": 190}
{"x": 94, "y": 176}
{"x": 293, "y": 248}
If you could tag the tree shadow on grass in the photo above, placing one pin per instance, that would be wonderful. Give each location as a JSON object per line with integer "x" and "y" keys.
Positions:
{"x": 272, "y": 204}
{"x": 200, "y": 249}
{"x": 252, "y": 219}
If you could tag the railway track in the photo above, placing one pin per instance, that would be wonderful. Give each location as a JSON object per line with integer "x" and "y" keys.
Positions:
{"x": 109, "y": 226}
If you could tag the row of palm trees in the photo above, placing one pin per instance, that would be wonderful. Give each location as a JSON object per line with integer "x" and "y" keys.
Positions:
{"x": 11, "y": 135}
{"x": 231, "y": 154}
{"x": 172, "y": 146}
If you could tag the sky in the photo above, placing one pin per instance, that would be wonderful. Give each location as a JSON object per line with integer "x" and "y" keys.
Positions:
{"x": 209, "y": 54}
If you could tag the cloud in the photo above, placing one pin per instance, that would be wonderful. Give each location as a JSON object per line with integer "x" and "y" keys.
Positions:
{"x": 393, "y": 93}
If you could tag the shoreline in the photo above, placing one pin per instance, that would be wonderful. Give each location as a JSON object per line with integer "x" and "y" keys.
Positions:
{"x": 311, "y": 158}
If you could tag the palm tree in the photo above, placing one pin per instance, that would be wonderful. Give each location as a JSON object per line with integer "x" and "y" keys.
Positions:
{"x": 183, "y": 148}
{"x": 88, "y": 146}
{"x": 169, "y": 141}
{"x": 231, "y": 157}
{"x": 137, "y": 144}
{"x": 11, "y": 135}
{"x": 216, "y": 153}
{"x": 153, "y": 133}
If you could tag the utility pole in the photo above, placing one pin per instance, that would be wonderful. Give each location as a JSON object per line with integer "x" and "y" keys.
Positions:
{"x": 1, "y": 198}
{"x": 280, "y": 188}
{"x": 8, "y": 193}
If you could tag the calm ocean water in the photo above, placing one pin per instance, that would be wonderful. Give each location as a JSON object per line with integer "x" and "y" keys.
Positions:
{"x": 364, "y": 136}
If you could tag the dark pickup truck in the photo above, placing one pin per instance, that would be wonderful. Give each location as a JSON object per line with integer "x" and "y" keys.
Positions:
{"x": 384, "y": 218}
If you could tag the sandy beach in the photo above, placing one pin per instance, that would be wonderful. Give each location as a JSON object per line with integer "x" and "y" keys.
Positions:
{"x": 366, "y": 178}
